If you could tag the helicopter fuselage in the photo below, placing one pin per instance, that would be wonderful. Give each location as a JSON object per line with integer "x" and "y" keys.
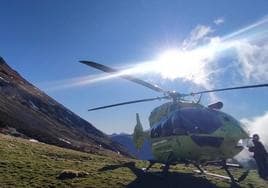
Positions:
{"x": 190, "y": 131}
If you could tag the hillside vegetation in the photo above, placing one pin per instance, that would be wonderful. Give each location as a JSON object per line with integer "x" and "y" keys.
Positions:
{"x": 28, "y": 164}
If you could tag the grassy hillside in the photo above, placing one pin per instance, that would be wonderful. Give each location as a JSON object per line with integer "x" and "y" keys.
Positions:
{"x": 28, "y": 164}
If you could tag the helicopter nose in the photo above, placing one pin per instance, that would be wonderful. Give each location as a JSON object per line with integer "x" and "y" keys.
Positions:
{"x": 243, "y": 139}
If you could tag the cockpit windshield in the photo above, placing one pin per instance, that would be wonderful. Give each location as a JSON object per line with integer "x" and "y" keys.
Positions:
{"x": 188, "y": 121}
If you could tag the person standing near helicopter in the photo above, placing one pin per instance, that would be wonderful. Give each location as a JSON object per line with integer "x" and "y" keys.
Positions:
{"x": 260, "y": 156}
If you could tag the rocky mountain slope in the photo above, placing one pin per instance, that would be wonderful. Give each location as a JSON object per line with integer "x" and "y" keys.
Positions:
{"x": 28, "y": 112}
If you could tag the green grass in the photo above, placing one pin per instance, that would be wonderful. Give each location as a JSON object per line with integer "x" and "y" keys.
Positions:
{"x": 27, "y": 164}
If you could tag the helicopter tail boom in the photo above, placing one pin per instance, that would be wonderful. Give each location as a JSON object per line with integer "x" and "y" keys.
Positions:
{"x": 139, "y": 135}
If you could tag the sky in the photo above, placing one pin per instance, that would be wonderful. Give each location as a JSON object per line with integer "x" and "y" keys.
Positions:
{"x": 181, "y": 45}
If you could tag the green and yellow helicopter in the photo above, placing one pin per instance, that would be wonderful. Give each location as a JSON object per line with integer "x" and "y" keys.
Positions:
{"x": 187, "y": 132}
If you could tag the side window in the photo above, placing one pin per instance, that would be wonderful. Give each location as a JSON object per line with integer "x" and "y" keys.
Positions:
{"x": 156, "y": 131}
{"x": 190, "y": 120}
{"x": 163, "y": 129}
{"x": 197, "y": 120}
{"x": 178, "y": 125}
{"x": 166, "y": 128}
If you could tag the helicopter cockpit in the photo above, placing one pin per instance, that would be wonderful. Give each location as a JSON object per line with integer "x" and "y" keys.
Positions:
{"x": 186, "y": 121}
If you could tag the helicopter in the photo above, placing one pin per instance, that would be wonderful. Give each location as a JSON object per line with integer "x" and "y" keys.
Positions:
{"x": 187, "y": 132}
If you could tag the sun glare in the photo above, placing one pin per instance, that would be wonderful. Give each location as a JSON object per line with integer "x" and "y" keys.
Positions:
{"x": 188, "y": 65}
{"x": 174, "y": 64}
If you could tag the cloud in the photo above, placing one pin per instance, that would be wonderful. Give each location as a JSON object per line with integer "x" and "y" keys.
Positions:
{"x": 219, "y": 21}
{"x": 197, "y": 35}
{"x": 200, "y": 32}
{"x": 258, "y": 125}
{"x": 253, "y": 61}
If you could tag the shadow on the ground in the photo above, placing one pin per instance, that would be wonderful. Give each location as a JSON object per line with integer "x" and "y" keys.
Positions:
{"x": 157, "y": 180}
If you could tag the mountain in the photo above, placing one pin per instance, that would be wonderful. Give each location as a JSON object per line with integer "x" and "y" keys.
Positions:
{"x": 126, "y": 140}
{"x": 28, "y": 112}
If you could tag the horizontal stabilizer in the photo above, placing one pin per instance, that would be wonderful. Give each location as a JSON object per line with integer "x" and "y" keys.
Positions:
{"x": 217, "y": 105}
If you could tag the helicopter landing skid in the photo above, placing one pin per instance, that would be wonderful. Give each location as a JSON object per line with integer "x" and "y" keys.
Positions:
{"x": 164, "y": 168}
{"x": 212, "y": 174}
{"x": 151, "y": 163}
{"x": 230, "y": 177}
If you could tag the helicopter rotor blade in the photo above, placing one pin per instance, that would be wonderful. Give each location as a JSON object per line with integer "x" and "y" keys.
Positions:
{"x": 129, "y": 102}
{"x": 229, "y": 88}
{"x": 125, "y": 76}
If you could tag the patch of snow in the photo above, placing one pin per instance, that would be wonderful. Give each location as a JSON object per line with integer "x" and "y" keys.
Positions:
{"x": 64, "y": 140}
{"x": 33, "y": 140}
{"x": 33, "y": 105}
{"x": 1, "y": 78}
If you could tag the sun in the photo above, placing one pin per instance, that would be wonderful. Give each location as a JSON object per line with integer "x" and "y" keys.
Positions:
{"x": 188, "y": 65}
